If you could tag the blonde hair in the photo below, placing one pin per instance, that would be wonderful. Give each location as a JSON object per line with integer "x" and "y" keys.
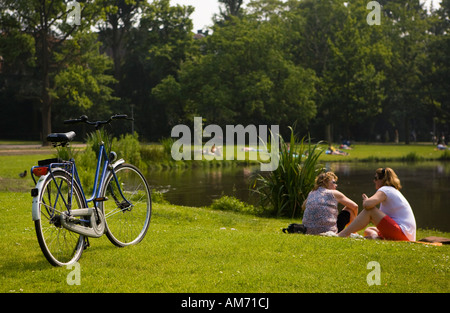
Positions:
{"x": 323, "y": 179}
{"x": 388, "y": 177}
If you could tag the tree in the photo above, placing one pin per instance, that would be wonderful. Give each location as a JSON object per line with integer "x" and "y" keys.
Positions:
{"x": 156, "y": 48}
{"x": 82, "y": 86}
{"x": 119, "y": 19}
{"x": 232, "y": 8}
{"x": 46, "y": 22}
{"x": 311, "y": 25}
{"x": 437, "y": 69}
{"x": 243, "y": 77}
{"x": 406, "y": 25}
{"x": 353, "y": 80}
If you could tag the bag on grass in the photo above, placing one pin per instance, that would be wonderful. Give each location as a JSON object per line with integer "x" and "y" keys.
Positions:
{"x": 295, "y": 229}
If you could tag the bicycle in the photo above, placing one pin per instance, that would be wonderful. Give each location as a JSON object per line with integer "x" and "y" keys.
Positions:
{"x": 121, "y": 201}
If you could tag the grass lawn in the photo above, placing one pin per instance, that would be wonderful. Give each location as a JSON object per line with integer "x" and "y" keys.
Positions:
{"x": 12, "y": 165}
{"x": 201, "y": 250}
{"x": 387, "y": 152}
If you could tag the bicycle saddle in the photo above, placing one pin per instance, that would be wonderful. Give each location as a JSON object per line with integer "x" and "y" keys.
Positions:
{"x": 62, "y": 138}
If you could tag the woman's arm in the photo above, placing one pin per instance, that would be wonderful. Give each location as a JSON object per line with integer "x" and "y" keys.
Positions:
{"x": 377, "y": 198}
{"x": 345, "y": 201}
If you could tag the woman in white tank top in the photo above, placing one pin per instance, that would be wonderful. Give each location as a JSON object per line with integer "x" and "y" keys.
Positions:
{"x": 394, "y": 219}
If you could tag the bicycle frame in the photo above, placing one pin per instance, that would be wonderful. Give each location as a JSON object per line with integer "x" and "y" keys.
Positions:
{"x": 70, "y": 167}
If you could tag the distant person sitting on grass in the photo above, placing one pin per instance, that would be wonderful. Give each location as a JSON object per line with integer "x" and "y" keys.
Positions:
{"x": 394, "y": 219}
{"x": 321, "y": 207}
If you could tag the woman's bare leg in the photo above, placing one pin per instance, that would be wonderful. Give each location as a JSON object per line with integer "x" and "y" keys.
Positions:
{"x": 371, "y": 233}
{"x": 353, "y": 213}
{"x": 362, "y": 220}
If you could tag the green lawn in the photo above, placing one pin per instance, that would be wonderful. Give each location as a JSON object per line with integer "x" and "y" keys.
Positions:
{"x": 201, "y": 250}
{"x": 387, "y": 152}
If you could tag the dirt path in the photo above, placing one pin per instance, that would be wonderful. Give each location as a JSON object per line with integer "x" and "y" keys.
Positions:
{"x": 30, "y": 149}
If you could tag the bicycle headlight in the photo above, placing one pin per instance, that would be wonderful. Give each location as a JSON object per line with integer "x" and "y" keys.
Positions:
{"x": 112, "y": 156}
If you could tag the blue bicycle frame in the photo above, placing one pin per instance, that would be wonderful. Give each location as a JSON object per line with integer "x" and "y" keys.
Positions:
{"x": 70, "y": 167}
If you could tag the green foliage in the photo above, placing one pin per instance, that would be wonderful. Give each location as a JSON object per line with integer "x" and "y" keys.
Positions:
{"x": 412, "y": 157}
{"x": 445, "y": 156}
{"x": 167, "y": 146}
{"x": 128, "y": 148}
{"x": 158, "y": 197}
{"x": 86, "y": 163}
{"x": 95, "y": 138}
{"x": 227, "y": 203}
{"x": 47, "y": 23}
{"x": 283, "y": 191}
{"x": 16, "y": 47}
{"x": 65, "y": 153}
{"x": 245, "y": 75}
{"x": 153, "y": 155}
{"x": 316, "y": 62}
{"x": 84, "y": 82}
{"x": 156, "y": 48}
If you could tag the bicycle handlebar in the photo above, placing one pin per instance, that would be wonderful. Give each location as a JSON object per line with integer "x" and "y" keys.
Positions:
{"x": 84, "y": 119}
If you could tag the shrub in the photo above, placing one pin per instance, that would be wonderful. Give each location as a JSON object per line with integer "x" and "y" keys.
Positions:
{"x": 167, "y": 146}
{"x": 445, "y": 156}
{"x": 283, "y": 191}
{"x": 128, "y": 148}
{"x": 158, "y": 197}
{"x": 227, "y": 203}
{"x": 96, "y": 137}
{"x": 412, "y": 157}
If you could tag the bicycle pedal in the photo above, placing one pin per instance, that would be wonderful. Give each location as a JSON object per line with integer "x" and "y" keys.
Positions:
{"x": 101, "y": 199}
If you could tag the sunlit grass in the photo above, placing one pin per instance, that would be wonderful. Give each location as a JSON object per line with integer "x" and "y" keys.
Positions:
{"x": 201, "y": 250}
{"x": 385, "y": 152}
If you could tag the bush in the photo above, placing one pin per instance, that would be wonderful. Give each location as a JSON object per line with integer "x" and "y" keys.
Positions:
{"x": 283, "y": 191}
{"x": 167, "y": 146}
{"x": 129, "y": 149}
{"x": 96, "y": 137}
{"x": 412, "y": 157}
{"x": 86, "y": 163}
{"x": 445, "y": 156}
{"x": 227, "y": 203}
{"x": 158, "y": 197}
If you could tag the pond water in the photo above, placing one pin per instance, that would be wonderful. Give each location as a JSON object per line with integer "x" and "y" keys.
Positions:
{"x": 426, "y": 185}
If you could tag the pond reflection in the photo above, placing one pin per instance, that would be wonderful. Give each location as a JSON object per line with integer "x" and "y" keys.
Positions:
{"x": 426, "y": 185}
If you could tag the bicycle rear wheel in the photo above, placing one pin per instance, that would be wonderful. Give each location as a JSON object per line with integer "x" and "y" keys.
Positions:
{"x": 59, "y": 245}
{"x": 129, "y": 206}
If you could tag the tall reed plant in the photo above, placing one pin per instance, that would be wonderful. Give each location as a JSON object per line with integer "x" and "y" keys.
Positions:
{"x": 282, "y": 192}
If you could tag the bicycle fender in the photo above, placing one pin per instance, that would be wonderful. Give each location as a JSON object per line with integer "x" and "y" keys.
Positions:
{"x": 117, "y": 163}
{"x": 35, "y": 206}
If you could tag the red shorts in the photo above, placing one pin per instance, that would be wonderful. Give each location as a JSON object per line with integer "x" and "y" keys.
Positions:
{"x": 389, "y": 229}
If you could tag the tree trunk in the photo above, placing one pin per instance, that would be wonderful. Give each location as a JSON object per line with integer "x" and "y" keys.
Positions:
{"x": 46, "y": 115}
{"x": 46, "y": 107}
{"x": 45, "y": 96}
{"x": 406, "y": 130}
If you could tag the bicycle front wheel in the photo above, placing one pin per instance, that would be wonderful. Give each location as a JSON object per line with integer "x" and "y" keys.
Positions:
{"x": 59, "y": 245}
{"x": 129, "y": 206}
